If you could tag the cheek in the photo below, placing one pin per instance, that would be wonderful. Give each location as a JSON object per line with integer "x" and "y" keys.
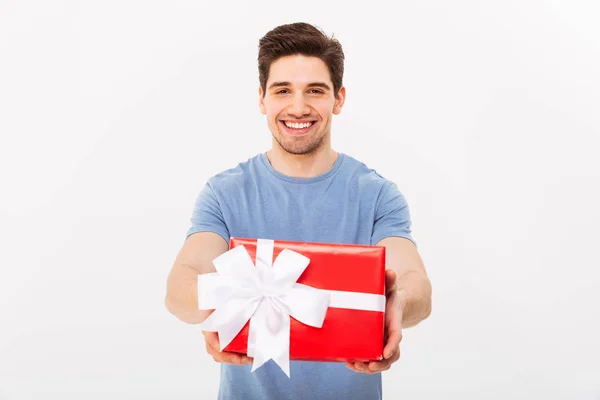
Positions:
{"x": 272, "y": 115}
{"x": 273, "y": 111}
{"x": 325, "y": 108}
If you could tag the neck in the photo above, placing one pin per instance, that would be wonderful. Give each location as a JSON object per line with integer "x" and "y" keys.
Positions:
{"x": 302, "y": 165}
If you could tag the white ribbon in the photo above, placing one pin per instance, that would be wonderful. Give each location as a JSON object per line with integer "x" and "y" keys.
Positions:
{"x": 268, "y": 295}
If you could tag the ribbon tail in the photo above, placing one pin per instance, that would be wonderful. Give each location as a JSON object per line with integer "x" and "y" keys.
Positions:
{"x": 271, "y": 333}
{"x": 281, "y": 353}
{"x": 252, "y": 335}
{"x": 256, "y": 349}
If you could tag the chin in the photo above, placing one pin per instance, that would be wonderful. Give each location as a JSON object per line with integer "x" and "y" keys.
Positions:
{"x": 300, "y": 148}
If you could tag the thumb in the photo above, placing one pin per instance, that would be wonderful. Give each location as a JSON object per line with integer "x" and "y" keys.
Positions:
{"x": 390, "y": 280}
{"x": 213, "y": 340}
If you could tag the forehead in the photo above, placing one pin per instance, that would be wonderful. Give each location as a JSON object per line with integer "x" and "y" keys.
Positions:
{"x": 299, "y": 70}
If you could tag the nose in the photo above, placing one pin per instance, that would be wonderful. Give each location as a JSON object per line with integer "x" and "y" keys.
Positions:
{"x": 299, "y": 107}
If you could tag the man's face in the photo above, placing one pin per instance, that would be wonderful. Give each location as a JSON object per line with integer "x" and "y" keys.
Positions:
{"x": 299, "y": 103}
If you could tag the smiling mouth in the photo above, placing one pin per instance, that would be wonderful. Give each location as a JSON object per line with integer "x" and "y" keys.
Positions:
{"x": 297, "y": 127}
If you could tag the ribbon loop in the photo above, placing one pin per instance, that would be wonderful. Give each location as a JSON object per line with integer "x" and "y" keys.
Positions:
{"x": 287, "y": 268}
{"x": 308, "y": 305}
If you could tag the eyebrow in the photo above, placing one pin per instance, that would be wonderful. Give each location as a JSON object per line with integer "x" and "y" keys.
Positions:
{"x": 312, "y": 84}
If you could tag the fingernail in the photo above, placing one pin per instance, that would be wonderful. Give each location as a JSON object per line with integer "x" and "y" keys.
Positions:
{"x": 235, "y": 359}
{"x": 359, "y": 366}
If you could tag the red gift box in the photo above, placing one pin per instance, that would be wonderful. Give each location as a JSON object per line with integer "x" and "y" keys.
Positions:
{"x": 347, "y": 334}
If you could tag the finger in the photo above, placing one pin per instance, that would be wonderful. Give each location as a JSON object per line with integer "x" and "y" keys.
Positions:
{"x": 390, "y": 280}
{"x": 246, "y": 360}
{"x": 216, "y": 354}
{"x": 352, "y": 367}
{"x": 393, "y": 343}
{"x": 384, "y": 365}
{"x": 360, "y": 366}
{"x": 227, "y": 357}
{"x": 213, "y": 347}
{"x": 377, "y": 366}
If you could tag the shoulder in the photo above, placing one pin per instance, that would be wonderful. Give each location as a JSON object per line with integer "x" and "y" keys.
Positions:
{"x": 237, "y": 176}
{"x": 365, "y": 177}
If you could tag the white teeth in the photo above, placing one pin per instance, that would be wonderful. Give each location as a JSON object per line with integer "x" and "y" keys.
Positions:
{"x": 297, "y": 125}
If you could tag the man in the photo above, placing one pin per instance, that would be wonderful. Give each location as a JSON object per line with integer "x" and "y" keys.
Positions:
{"x": 302, "y": 190}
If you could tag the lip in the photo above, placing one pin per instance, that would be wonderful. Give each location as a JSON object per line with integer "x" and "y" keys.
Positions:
{"x": 298, "y": 132}
{"x": 299, "y": 121}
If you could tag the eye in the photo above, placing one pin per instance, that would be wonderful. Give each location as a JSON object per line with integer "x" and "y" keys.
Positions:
{"x": 315, "y": 91}
{"x": 281, "y": 91}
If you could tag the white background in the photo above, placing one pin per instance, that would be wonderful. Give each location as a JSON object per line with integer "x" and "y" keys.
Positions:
{"x": 113, "y": 115}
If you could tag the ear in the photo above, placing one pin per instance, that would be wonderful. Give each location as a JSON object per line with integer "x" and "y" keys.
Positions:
{"x": 339, "y": 101}
{"x": 261, "y": 101}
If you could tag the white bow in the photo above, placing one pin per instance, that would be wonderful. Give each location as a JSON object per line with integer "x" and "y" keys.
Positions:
{"x": 266, "y": 295}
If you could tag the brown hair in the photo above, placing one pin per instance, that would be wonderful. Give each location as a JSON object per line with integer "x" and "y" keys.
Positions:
{"x": 300, "y": 38}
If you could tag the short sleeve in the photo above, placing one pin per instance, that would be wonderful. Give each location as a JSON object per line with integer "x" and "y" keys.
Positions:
{"x": 207, "y": 215}
{"x": 392, "y": 216}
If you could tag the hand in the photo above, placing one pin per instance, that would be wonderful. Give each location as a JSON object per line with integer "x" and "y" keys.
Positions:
{"x": 393, "y": 330}
{"x": 212, "y": 348}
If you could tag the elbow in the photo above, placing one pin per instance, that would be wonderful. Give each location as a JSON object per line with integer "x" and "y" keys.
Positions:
{"x": 425, "y": 305}
{"x": 428, "y": 301}
{"x": 175, "y": 309}
{"x": 427, "y": 310}
{"x": 173, "y": 304}
{"x": 184, "y": 311}
{"x": 169, "y": 304}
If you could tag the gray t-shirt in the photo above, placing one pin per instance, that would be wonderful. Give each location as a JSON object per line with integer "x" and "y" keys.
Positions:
{"x": 349, "y": 204}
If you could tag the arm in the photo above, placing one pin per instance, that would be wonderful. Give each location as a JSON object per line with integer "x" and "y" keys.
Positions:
{"x": 411, "y": 284}
{"x": 408, "y": 299}
{"x": 195, "y": 257}
{"x": 208, "y": 240}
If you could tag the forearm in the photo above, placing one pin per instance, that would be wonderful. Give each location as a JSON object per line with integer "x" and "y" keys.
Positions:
{"x": 182, "y": 295}
{"x": 195, "y": 258}
{"x": 414, "y": 290}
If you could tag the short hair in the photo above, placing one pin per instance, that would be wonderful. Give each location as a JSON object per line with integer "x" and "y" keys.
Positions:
{"x": 300, "y": 38}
